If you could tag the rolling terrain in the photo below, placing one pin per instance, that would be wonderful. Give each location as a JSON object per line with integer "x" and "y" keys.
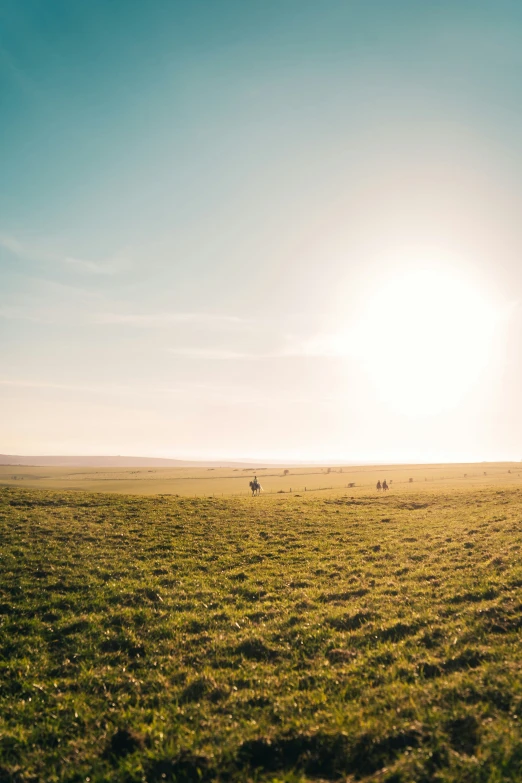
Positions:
{"x": 225, "y": 481}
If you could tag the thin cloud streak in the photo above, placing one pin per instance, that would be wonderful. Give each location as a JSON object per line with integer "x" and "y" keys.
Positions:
{"x": 316, "y": 348}
{"x": 82, "y": 312}
{"x": 204, "y": 353}
{"x": 203, "y": 392}
{"x": 222, "y": 354}
{"x": 90, "y": 267}
{"x": 162, "y": 319}
{"x": 22, "y": 384}
{"x": 34, "y": 252}
{"x": 26, "y": 314}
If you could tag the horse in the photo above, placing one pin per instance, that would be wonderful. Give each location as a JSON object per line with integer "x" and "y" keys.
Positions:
{"x": 384, "y": 485}
{"x": 378, "y": 484}
{"x": 256, "y": 487}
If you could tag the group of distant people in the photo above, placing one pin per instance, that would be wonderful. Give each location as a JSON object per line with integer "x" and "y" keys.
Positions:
{"x": 384, "y": 485}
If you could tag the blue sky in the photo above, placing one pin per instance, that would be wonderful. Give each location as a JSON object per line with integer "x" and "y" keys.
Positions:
{"x": 199, "y": 200}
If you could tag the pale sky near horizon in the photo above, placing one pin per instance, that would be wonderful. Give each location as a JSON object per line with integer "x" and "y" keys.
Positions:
{"x": 269, "y": 229}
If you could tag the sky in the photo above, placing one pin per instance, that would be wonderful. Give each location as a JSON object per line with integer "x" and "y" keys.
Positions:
{"x": 279, "y": 229}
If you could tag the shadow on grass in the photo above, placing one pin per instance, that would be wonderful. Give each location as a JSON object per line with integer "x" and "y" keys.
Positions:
{"x": 323, "y": 755}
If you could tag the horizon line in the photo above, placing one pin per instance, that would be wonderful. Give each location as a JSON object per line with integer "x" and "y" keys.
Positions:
{"x": 265, "y": 460}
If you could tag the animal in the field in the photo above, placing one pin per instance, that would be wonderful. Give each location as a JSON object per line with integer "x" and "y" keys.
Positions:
{"x": 384, "y": 485}
{"x": 255, "y": 486}
{"x": 379, "y": 485}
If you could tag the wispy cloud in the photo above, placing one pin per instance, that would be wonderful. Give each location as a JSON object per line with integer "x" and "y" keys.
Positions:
{"x": 322, "y": 347}
{"x": 328, "y": 346}
{"x": 89, "y": 267}
{"x": 50, "y": 302}
{"x": 40, "y": 252}
{"x": 184, "y": 392}
{"x": 219, "y": 354}
{"x": 163, "y": 319}
{"x": 23, "y": 384}
{"x": 17, "y": 313}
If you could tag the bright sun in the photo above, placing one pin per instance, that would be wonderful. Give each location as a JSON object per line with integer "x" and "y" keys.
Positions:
{"x": 425, "y": 340}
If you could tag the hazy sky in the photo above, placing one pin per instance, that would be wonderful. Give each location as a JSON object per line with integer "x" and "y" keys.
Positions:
{"x": 274, "y": 228}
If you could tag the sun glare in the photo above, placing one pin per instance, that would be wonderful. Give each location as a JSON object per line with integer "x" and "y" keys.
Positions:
{"x": 425, "y": 340}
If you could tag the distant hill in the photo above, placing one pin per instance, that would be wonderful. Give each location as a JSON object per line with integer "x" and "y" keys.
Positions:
{"x": 116, "y": 462}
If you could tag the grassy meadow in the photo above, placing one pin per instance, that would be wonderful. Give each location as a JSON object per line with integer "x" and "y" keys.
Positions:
{"x": 343, "y": 635}
{"x": 202, "y": 482}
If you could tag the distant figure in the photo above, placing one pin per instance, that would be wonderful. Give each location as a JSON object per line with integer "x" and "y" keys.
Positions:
{"x": 384, "y": 485}
{"x": 255, "y": 486}
{"x": 378, "y": 485}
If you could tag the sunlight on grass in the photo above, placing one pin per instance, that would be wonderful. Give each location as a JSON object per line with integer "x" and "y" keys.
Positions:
{"x": 286, "y": 639}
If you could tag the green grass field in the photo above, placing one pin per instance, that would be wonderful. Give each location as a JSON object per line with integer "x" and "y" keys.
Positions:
{"x": 332, "y": 636}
